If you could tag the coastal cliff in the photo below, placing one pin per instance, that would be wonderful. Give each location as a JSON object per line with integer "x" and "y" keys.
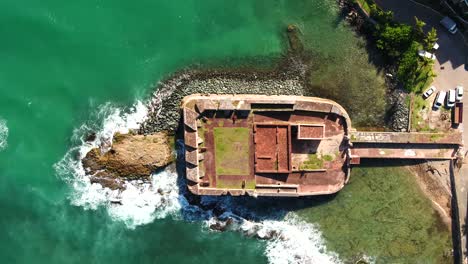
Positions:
{"x": 130, "y": 157}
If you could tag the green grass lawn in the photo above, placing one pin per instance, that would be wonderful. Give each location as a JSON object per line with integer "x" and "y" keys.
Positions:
{"x": 232, "y": 150}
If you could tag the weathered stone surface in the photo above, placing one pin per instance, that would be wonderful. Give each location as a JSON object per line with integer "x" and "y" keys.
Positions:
{"x": 130, "y": 157}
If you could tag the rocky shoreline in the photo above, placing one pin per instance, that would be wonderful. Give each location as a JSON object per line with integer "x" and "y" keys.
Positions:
{"x": 130, "y": 157}
{"x": 287, "y": 77}
{"x": 397, "y": 114}
{"x": 164, "y": 114}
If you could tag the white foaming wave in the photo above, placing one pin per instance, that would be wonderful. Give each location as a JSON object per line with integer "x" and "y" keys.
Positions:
{"x": 290, "y": 240}
{"x": 297, "y": 242}
{"x": 3, "y": 134}
{"x": 142, "y": 202}
{"x": 120, "y": 122}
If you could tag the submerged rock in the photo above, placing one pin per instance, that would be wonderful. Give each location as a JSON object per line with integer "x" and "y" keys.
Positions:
{"x": 130, "y": 157}
{"x": 90, "y": 137}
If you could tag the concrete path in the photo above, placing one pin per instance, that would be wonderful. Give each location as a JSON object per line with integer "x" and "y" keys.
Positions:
{"x": 454, "y": 138}
{"x": 403, "y": 151}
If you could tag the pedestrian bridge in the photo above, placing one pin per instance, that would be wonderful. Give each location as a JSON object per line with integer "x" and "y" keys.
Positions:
{"x": 401, "y": 145}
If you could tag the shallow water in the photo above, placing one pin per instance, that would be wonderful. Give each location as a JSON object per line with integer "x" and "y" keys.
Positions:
{"x": 382, "y": 213}
{"x": 69, "y": 68}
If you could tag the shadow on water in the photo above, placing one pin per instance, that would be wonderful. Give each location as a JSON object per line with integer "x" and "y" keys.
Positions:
{"x": 381, "y": 213}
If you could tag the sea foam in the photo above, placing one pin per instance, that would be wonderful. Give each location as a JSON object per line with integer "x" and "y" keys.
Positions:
{"x": 3, "y": 134}
{"x": 295, "y": 241}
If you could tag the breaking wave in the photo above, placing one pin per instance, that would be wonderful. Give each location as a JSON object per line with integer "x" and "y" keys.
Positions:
{"x": 288, "y": 238}
{"x": 3, "y": 134}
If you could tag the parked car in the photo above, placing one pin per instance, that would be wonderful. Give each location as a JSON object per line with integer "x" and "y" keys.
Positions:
{"x": 450, "y": 99}
{"x": 426, "y": 54}
{"x": 429, "y": 92}
{"x": 439, "y": 100}
{"x": 459, "y": 92}
{"x": 449, "y": 24}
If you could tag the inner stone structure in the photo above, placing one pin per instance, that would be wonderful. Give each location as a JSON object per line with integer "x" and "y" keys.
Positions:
{"x": 265, "y": 145}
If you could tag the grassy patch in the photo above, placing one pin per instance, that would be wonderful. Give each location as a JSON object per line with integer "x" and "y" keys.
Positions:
{"x": 328, "y": 157}
{"x": 312, "y": 163}
{"x": 436, "y": 137}
{"x": 424, "y": 78}
{"x": 232, "y": 150}
{"x": 417, "y": 122}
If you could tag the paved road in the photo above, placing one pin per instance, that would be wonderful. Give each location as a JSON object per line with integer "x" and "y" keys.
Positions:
{"x": 450, "y": 70}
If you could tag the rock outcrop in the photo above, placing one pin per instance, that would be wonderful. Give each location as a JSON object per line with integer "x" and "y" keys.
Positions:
{"x": 130, "y": 157}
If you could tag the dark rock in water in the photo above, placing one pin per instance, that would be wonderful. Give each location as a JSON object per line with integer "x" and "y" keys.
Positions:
{"x": 116, "y": 201}
{"x": 218, "y": 226}
{"x": 295, "y": 43}
{"x": 229, "y": 222}
{"x": 109, "y": 182}
{"x": 91, "y": 137}
{"x": 222, "y": 226}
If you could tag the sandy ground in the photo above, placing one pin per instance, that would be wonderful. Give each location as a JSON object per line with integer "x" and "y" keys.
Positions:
{"x": 433, "y": 177}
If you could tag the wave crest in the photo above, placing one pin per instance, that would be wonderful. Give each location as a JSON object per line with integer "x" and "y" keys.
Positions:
{"x": 3, "y": 134}
{"x": 289, "y": 240}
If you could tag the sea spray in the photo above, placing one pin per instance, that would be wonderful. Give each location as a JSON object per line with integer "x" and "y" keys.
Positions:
{"x": 3, "y": 134}
{"x": 110, "y": 119}
{"x": 288, "y": 239}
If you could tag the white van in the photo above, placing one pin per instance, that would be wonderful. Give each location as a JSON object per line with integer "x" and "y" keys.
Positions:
{"x": 459, "y": 90}
{"x": 439, "y": 100}
{"x": 451, "y": 98}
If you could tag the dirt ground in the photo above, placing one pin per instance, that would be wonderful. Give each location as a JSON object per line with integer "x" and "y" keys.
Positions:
{"x": 431, "y": 120}
{"x": 433, "y": 178}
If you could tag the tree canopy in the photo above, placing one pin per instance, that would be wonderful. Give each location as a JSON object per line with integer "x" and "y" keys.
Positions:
{"x": 394, "y": 40}
{"x": 430, "y": 39}
{"x": 419, "y": 28}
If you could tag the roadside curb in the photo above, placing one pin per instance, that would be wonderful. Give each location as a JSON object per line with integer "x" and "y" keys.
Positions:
{"x": 428, "y": 7}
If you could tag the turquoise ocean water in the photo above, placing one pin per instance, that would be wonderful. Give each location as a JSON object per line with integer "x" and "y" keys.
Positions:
{"x": 66, "y": 67}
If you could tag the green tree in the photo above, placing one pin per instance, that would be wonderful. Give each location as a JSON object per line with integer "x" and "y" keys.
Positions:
{"x": 409, "y": 69}
{"x": 379, "y": 15}
{"x": 430, "y": 39}
{"x": 394, "y": 40}
{"x": 419, "y": 28}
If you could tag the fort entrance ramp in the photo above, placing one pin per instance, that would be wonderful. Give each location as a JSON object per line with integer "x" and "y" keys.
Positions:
{"x": 400, "y": 145}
